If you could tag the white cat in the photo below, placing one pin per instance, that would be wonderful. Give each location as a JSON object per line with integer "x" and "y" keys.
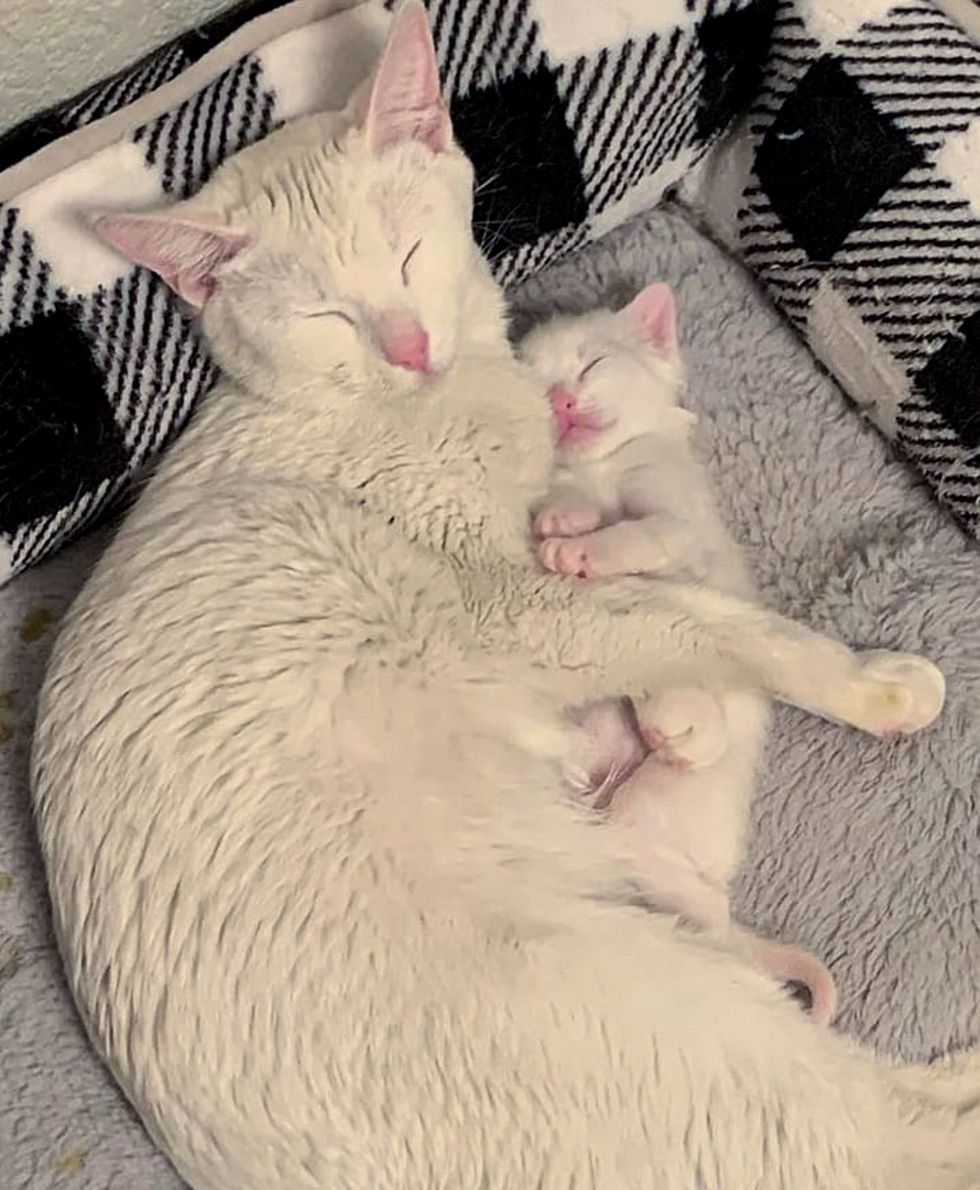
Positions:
{"x": 323, "y": 904}
{"x": 630, "y": 496}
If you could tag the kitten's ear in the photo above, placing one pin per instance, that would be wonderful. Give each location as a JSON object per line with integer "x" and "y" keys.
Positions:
{"x": 406, "y": 97}
{"x": 653, "y": 317}
{"x": 182, "y": 252}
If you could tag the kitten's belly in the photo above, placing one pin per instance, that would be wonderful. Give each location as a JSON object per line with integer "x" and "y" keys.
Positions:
{"x": 609, "y": 752}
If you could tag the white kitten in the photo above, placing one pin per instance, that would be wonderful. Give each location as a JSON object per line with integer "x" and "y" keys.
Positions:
{"x": 630, "y": 496}
{"x": 322, "y": 900}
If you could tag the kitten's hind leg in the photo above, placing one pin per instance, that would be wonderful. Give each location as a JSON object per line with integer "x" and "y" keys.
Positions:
{"x": 685, "y": 727}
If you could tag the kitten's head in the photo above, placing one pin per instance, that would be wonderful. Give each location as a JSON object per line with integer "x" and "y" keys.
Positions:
{"x": 339, "y": 246}
{"x": 612, "y": 376}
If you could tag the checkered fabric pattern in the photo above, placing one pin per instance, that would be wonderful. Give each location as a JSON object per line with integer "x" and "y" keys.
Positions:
{"x": 575, "y": 117}
{"x": 852, "y": 190}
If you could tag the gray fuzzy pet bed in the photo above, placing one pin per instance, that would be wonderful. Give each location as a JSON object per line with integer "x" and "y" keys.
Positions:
{"x": 868, "y": 852}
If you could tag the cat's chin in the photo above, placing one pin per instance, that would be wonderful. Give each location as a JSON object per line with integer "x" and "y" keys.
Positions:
{"x": 401, "y": 382}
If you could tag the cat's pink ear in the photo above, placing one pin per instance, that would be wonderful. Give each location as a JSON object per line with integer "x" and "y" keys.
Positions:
{"x": 184, "y": 253}
{"x": 406, "y": 97}
{"x": 653, "y": 317}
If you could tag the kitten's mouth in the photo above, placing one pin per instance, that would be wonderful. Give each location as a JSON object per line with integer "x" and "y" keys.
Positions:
{"x": 579, "y": 434}
{"x": 579, "y": 429}
{"x": 574, "y": 426}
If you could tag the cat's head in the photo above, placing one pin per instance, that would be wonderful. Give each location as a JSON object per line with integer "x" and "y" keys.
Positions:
{"x": 611, "y": 376}
{"x": 338, "y": 247}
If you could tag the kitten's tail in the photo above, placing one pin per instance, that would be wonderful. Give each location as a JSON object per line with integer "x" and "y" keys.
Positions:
{"x": 793, "y": 964}
{"x": 936, "y": 1110}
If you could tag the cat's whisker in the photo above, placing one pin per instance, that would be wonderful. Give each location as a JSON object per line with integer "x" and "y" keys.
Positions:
{"x": 492, "y": 232}
{"x": 506, "y": 220}
{"x": 481, "y": 187}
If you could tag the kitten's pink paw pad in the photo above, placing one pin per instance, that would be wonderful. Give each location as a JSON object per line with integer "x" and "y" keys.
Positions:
{"x": 662, "y": 748}
{"x": 566, "y": 555}
{"x": 685, "y": 728}
{"x": 904, "y": 693}
{"x": 676, "y": 761}
{"x": 567, "y": 520}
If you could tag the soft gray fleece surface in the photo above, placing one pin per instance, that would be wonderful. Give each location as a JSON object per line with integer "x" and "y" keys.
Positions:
{"x": 868, "y": 852}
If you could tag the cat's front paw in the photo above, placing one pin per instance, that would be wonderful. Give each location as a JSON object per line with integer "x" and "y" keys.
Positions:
{"x": 685, "y": 728}
{"x": 898, "y": 693}
{"x": 568, "y": 519}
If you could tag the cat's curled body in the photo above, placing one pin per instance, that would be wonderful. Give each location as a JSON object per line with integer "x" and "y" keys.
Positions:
{"x": 321, "y": 902}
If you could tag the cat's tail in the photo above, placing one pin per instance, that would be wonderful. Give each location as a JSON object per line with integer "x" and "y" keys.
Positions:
{"x": 936, "y": 1113}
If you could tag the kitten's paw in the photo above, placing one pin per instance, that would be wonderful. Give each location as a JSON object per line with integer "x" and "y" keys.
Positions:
{"x": 900, "y": 693}
{"x": 567, "y": 520}
{"x": 568, "y": 555}
{"x": 685, "y": 728}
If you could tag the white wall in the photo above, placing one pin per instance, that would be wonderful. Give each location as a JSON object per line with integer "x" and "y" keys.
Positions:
{"x": 50, "y": 49}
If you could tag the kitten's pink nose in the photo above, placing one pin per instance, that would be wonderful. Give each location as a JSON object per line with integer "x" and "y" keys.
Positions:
{"x": 563, "y": 405}
{"x": 562, "y": 399}
{"x": 404, "y": 341}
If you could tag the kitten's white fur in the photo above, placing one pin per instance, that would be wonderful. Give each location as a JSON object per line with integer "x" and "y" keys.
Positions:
{"x": 320, "y": 900}
{"x": 638, "y": 478}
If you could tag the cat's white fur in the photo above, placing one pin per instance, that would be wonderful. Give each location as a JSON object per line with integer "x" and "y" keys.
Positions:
{"x": 634, "y": 481}
{"x": 321, "y": 902}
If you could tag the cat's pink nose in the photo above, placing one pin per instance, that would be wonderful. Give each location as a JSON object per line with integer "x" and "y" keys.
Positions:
{"x": 409, "y": 351}
{"x": 404, "y": 342}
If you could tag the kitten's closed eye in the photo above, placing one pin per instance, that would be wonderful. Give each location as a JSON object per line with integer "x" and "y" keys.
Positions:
{"x": 589, "y": 366}
{"x": 408, "y": 260}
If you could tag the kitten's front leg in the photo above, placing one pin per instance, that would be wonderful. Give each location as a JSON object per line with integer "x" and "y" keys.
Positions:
{"x": 648, "y": 546}
{"x": 569, "y": 515}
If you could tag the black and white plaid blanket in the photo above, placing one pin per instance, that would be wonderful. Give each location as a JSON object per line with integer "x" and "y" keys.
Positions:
{"x": 575, "y": 115}
{"x": 852, "y": 190}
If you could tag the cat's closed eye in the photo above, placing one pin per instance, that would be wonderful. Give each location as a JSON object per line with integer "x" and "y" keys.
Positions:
{"x": 333, "y": 314}
{"x": 590, "y": 365}
{"x": 408, "y": 260}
